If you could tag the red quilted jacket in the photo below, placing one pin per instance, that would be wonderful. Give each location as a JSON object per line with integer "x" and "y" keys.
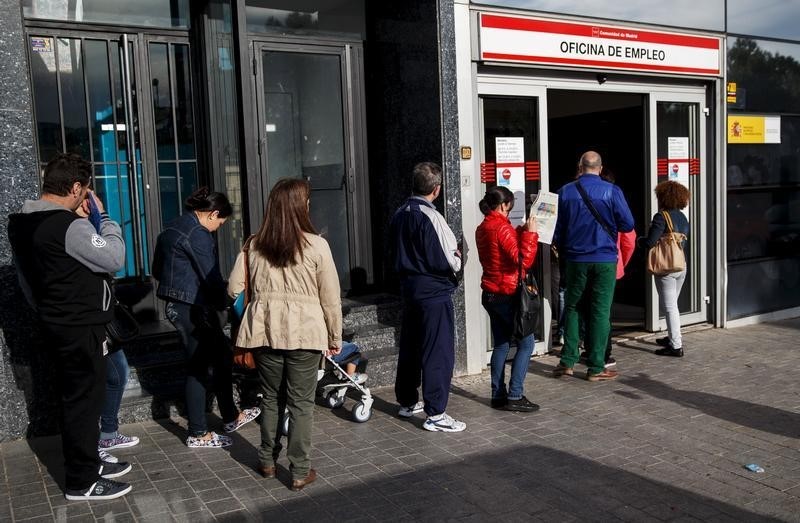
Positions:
{"x": 499, "y": 247}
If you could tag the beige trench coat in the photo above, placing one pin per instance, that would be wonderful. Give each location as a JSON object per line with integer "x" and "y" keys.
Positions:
{"x": 297, "y": 307}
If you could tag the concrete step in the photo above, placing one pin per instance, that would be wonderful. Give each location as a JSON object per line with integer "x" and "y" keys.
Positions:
{"x": 156, "y": 385}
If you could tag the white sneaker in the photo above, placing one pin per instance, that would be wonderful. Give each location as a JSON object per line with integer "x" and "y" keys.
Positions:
{"x": 359, "y": 377}
{"x": 407, "y": 412}
{"x": 443, "y": 423}
{"x": 107, "y": 458}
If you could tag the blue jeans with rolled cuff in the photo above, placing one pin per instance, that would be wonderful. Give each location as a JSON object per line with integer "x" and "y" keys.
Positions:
{"x": 501, "y": 317}
{"x": 117, "y": 373}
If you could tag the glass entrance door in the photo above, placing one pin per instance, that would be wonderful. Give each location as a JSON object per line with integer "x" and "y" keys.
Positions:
{"x": 513, "y": 149}
{"x": 310, "y": 125}
{"x": 124, "y": 103}
{"x": 678, "y": 140}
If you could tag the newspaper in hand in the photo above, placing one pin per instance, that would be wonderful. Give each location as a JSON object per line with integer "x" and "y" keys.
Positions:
{"x": 545, "y": 208}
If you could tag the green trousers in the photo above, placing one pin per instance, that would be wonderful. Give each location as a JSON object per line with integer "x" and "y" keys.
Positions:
{"x": 289, "y": 379}
{"x": 593, "y": 282}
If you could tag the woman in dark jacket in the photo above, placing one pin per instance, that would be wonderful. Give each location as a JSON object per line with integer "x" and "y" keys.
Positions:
{"x": 189, "y": 279}
{"x": 672, "y": 197}
{"x": 500, "y": 248}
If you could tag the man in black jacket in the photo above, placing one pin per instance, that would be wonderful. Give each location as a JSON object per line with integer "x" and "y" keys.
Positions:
{"x": 64, "y": 265}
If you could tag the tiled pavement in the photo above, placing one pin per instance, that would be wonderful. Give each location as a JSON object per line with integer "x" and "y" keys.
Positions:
{"x": 668, "y": 441}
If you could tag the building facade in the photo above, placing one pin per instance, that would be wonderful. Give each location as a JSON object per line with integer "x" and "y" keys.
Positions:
{"x": 163, "y": 96}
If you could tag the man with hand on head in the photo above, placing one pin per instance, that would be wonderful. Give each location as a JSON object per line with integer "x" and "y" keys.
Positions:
{"x": 64, "y": 264}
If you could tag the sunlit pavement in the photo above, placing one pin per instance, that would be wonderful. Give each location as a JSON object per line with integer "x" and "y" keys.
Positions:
{"x": 667, "y": 441}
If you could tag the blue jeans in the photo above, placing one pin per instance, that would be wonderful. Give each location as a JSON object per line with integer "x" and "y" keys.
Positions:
{"x": 348, "y": 348}
{"x": 501, "y": 316}
{"x": 117, "y": 372}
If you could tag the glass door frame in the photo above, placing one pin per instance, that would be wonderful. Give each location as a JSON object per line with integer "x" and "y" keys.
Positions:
{"x": 517, "y": 88}
{"x": 351, "y": 54}
{"x": 698, "y": 217}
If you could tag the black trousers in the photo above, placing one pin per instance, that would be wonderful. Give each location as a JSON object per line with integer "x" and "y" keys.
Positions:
{"x": 76, "y": 352}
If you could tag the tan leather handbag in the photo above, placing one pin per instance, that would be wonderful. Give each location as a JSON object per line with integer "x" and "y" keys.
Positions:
{"x": 667, "y": 256}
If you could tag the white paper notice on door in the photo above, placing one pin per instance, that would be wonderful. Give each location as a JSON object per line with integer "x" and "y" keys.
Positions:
{"x": 510, "y": 165}
{"x": 678, "y": 155}
{"x": 678, "y": 164}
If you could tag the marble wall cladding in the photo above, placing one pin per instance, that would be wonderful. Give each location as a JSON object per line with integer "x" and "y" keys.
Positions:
{"x": 403, "y": 111}
{"x": 412, "y": 116}
{"x": 25, "y": 383}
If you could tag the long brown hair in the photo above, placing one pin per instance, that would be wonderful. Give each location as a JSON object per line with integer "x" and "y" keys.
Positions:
{"x": 280, "y": 238}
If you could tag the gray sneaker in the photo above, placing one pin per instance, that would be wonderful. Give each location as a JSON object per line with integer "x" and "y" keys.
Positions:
{"x": 407, "y": 412}
{"x": 443, "y": 423}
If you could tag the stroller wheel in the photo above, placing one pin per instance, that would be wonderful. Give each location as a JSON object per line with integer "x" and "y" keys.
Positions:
{"x": 361, "y": 413}
{"x": 333, "y": 400}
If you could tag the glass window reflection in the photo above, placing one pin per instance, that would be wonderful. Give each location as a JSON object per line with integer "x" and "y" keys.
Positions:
{"x": 151, "y": 13}
{"x": 761, "y": 70}
{"x": 772, "y": 18}
{"x": 678, "y": 13}
{"x": 315, "y": 16}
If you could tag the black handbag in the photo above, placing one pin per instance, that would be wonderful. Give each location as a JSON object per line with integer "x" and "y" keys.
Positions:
{"x": 124, "y": 327}
{"x": 526, "y": 304}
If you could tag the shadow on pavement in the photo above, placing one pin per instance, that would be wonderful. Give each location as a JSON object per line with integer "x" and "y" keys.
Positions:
{"x": 744, "y": 413}
{"x": 514, "y": 484}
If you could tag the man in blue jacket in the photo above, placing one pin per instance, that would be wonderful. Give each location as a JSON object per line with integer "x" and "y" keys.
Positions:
{"x": 427, "y": 258}
{"x": 591, "y": 213}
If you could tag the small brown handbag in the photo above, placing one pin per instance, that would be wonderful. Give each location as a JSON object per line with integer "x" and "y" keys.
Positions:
{"x": 666, "y": 256}
{"x": 242, "y": 356}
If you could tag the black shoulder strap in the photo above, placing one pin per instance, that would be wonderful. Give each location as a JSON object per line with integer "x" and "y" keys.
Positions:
{"x": 594, "y": 212}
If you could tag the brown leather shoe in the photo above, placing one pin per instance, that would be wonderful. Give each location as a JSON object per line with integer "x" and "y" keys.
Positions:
{"x": 298, "y": 484}
{"x": 268, "y": 471}
{"x": 561, "y": 370}
{"x": 606, "y": 375}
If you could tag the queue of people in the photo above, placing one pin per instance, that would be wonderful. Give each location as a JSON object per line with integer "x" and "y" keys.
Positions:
{"x": 66, "y": 249}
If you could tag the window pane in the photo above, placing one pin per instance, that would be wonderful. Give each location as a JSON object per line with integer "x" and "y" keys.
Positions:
{"x": 183, "y": 101}
{"x": 755, "y": 288}
{"x": 174, "y": 13}
{"x": 316, "y": 16}
{"x": 162, "y": 101}
{"x": 119, "y": 99}
{"x": 45, "y": 99}
{"x": 767, "y": 164}
{"x": 73, "y": 96}
{"x": 188, "y": 180}
{"x": 101, "y": 110}
{"x": 111, "y": 185}
{"x": 763, "y": 73}
{"x": 168, "y": 187}
{"x": 679, "y": 13}
{"x": 776, "y": 19}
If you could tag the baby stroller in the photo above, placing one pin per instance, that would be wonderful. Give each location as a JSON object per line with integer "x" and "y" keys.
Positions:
{"x": 336, "y": 392}
{"x": 334, "y": 383}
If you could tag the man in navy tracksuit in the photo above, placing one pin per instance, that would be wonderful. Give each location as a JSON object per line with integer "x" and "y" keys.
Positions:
{"x": 427, "y": 258}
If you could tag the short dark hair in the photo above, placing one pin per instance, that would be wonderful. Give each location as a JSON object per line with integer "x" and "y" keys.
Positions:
{"x": 427, "y": 175}
{"x": 62, "y": 171}
{"x": 204, "y": 200}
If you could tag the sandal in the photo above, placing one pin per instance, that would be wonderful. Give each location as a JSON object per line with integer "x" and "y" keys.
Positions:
{"x": 216, "y": 441}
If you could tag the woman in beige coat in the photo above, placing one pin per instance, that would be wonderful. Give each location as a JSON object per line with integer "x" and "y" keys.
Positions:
{"x": 294, "y": 316}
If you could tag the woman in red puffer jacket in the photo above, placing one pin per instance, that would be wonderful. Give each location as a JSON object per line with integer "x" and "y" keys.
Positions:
{"x": 500, "y": 247}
